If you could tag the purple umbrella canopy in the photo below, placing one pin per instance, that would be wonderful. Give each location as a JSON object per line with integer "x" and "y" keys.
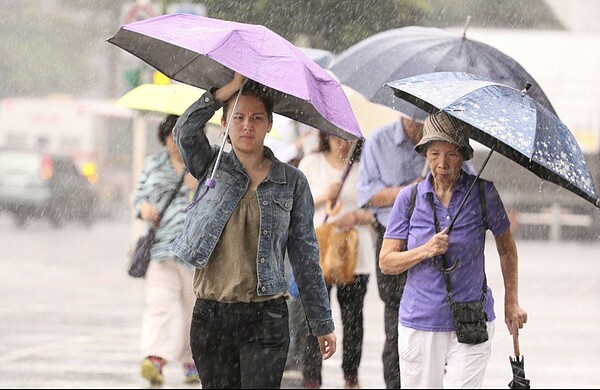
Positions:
{"x": 204, "y": 52}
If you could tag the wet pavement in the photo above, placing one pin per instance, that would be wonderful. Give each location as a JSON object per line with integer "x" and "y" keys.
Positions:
{"x": 70, "y": 315}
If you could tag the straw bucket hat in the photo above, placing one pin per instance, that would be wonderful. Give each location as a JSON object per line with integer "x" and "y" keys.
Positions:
{"x": 443, "y": 127}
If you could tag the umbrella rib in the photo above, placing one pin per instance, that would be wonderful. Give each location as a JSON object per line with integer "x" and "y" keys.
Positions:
{"x": 186, "y": 65}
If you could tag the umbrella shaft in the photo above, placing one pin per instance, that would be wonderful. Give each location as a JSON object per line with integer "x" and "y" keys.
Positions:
{"x": 516, "y": 345}
{"x": 231, "y": 113}
{"x": 451, "y": 226}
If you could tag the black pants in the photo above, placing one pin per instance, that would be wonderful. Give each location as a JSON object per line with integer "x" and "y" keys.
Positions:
{"x": 390, "y": 291}
{"x": 240, "y": 345}
{"x": 351, "y": 298}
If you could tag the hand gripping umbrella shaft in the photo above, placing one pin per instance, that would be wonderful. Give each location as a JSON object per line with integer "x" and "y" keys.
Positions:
{"x": 210, "y": 182}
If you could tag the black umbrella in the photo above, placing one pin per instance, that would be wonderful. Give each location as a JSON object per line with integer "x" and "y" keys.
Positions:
{"x": 409, "y": 51}
{"x": 517, "y": 364}
{"x": 506, "y": 120}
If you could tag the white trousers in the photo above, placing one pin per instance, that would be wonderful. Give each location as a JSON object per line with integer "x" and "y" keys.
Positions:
{"x": 436, "y": 360}
{"x": 167, "y": 318}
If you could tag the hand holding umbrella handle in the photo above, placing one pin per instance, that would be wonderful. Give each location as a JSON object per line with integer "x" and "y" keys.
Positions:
{"x": 237, "y": 79}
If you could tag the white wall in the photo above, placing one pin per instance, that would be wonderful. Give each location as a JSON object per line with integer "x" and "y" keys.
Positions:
{"x": 578, "y": 15}
{"x": 566, "y": 65}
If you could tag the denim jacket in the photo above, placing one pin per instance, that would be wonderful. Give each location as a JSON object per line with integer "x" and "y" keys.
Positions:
{"x": 286, "y": 216}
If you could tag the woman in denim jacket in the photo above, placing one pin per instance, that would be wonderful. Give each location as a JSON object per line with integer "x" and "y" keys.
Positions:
{"x": 237, "y": 237}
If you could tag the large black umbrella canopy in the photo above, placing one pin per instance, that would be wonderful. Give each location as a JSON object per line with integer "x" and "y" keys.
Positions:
{"x": 507, "y": 121}
{"x": 409, "y": 51}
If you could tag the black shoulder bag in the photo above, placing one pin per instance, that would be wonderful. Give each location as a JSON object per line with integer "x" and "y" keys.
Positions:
{"x": 469, "y": 317}
{"x": 139, "y": 256}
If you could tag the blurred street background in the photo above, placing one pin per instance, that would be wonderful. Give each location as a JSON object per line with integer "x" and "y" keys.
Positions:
{"x": 61, "y": 80}
{"x": 71, "y": 315}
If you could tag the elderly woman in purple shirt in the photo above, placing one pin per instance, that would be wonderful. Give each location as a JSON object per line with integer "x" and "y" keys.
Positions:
{"x": 431, "y": 355}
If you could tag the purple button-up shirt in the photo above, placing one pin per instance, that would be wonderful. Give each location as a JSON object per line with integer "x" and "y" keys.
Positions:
{"x": 424, "y": 304}
{"x": 388, "y": 160}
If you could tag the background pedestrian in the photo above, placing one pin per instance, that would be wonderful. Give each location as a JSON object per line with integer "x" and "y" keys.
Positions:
{"x": 389, "y": 164}
{"x": 166, "y": 320}
{"x": 324, "y": 171}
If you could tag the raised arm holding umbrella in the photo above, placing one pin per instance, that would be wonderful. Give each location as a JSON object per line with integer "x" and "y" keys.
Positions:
{"x": 255, "y": 208}
{"x": 256, "y": 198}
{"x": 345, "y": 242}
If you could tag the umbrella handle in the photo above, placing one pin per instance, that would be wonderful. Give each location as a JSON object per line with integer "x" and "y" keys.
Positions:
{"x": 516, "y": 344}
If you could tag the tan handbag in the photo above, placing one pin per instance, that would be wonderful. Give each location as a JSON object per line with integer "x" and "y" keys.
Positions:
{"x": 338, "y": 253}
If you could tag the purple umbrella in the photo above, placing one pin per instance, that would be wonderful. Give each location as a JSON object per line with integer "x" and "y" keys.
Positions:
{"x": 204, "y": 52}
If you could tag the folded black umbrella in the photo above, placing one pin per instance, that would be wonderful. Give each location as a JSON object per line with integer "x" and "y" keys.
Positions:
{"x": 517, "y": 364}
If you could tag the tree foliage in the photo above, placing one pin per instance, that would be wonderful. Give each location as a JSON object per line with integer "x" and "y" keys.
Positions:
{"x": 325, "y": 24}
{"x": 58, "y": 46}
{"x": 42, "y": 52}
{"x": 530, "y": 14}
{"x": 337, "y": 24}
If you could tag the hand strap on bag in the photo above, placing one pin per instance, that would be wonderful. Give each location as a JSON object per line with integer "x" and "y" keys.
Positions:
{"x": 173, "y": 195}
{"x": 446, "y": 274}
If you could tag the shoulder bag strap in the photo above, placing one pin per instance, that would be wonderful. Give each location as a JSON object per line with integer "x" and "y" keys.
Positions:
{"x": 173, "y": 195}
{"x": 413, "y": 199}
{"x": 444, "y": 261}
{"x": 483, "y": 204}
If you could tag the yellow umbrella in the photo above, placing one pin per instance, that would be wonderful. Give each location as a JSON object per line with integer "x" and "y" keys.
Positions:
{"x": 370, "y": 116}
{"x": 169, "y": 99}
{"x": 163, "y": 98}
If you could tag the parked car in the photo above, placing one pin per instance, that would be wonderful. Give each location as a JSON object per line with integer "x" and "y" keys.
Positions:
{"x": 40, "y": 185}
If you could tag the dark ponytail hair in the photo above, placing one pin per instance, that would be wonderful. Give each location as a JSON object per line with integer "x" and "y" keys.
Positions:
{"x": 166, "y": 128}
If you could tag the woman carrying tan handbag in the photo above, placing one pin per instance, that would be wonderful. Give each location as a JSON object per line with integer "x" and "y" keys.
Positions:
{"x": 345, "y": 242}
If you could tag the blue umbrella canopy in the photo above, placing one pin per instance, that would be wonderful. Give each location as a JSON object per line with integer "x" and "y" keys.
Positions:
{"x": 410, "y": 51}
{"x": 506, "y": 120}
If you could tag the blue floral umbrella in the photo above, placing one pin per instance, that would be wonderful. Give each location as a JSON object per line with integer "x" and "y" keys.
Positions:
{"x": 507, "y": 121}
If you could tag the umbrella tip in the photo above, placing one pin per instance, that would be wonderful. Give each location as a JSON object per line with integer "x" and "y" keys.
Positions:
{"x": 526, "y": 89}
{"x": 466, "y": 26}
